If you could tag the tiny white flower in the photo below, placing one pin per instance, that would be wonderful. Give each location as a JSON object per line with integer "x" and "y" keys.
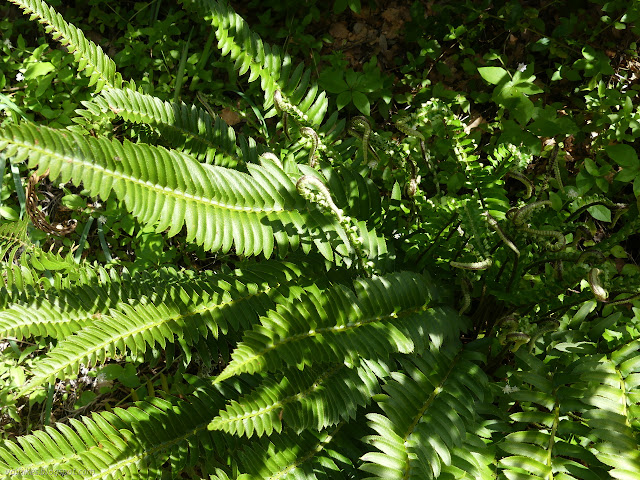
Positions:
{"x": 19, "y": 77}
{"x": 522, "y": 67}
{"x": 509, "y": 389}
{"x": 7, "y": 43}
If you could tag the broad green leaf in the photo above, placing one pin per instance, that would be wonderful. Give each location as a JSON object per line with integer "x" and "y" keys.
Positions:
{"x": 624, "y": 155}
{"x": 361, "y": 102}
{"x": 493, "y": 75}
{"x": 38, "y": 69}
{"x": 600, "y": 212}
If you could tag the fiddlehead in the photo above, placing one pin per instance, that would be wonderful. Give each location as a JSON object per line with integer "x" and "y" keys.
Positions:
{"x": 493, "y": 223}
{"x": 559, "y": 244}
{"x": 524, "y": 180}
{"x": 310, "y": 133}
{"x": 402, "y": 125}
{"x": 518, "y": 339}
{"x": 546, "y": 328}
{"x": 520, "y": 216}
{"x": 482, "y": 265}
{"x": 596, "y": 286}
{"x": 314, "y": 190}
{"x": 362, "y": 123}
{"x": 466, "y": 296}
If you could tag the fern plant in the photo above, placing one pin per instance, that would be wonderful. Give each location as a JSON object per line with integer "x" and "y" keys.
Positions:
{"x": 332, "y": 344}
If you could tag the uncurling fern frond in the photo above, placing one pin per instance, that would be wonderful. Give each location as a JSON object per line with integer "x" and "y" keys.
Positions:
{"x": 91, "y": 60}
{"x": 211, "y": 305}
{"x": 427, "y": 412}
{"x": 386, "y": 315}
{"x": 220, "y": 207}
{"x": 191, "y": 129}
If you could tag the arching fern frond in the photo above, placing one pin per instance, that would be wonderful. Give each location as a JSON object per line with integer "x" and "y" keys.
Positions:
{"x": 91, "y": 60}
{"x": 26, "y": 268}
{"x": 213, "y": 305}
{"x": 386, "y": 315}
{"x": 191, "y": 129}
{"x": 265, "y": 62}
{"x": 613, "y": 397}
{"x": 316, "y": 399}
{"x": 309, "y": 456}
{"x": 221, "y": 208}
{"x": 427, "y": 413}
{"x": 132, "y": 443}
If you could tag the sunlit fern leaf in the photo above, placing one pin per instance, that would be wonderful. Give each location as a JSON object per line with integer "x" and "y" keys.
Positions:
{"x": 212, "y": 305}
{"x": 473, "y": 460}
{"x": 614, "y": 400}
{"x": 91, "y": 60}
{"x": 338, "y": 324}
{"x": 427, "y": 412}
{"x": 313, "y": 399}
{"x": 262, "y": 61}
{"x": 131, "y": 443}
{"x": 220, "y": 207}
{"x": 309, "y": 455}
{"x": 191, "y": 129}
{"x": 545, "y": 440}
{"x": 25, "y": 268}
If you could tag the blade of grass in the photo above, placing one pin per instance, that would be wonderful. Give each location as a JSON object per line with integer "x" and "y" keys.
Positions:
{"x": 183, "y": 63}
{"x": 83, "y": 239}
{"x": 103, "y": 241}
{"x": 22, "y": 198}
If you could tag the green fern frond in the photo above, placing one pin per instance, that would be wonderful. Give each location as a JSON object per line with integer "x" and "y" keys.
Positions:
{"x": 91, "y": 60}
{"x": 26, "y": 268}
{"x": 316, "y": 398}
{"x": 267, "y": 63}
{"x": 221, "y": 208}
{"x": 427, "y": 413}
{"x": 546, "y": 440}
{"x": 473, "y": 460}
{"x": 613, "y": 396}
{"x": 189, "y": 128}
{"x": 132, "y": 443}
{"x": 213, "y": 305}
{"x": 309, "y": 456}
{"x": 382, "y": 317}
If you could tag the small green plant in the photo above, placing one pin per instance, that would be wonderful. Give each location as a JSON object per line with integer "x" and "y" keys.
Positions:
{"x": 360, "y": 89}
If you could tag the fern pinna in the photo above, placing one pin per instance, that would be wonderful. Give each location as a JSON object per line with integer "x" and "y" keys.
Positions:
{"x": 327, "y": 344}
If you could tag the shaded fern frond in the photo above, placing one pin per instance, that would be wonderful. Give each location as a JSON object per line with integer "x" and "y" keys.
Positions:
{"x": 613, "y": 397}
{"x": 91, "y": 60}
{"x": 214, "y": 304}
{"x": 309, "y": 456}
{"x": 132, "y": 443}
{"x": 545, "y": 441}
{"x": 427, "y": 413}
{"x": 314, "y": 399}
{"x": 189, "y": 128}
{"x": 386, "y": 314}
